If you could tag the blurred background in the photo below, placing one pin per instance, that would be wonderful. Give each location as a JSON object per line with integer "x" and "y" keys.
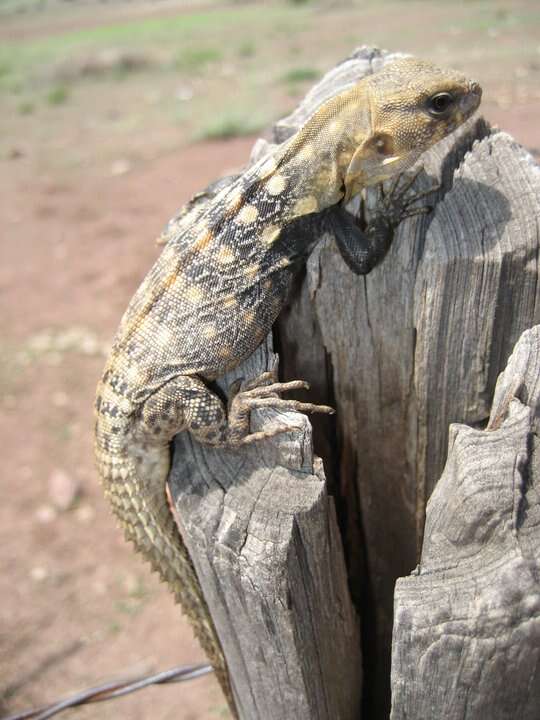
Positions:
{"x": 112, "y": 115}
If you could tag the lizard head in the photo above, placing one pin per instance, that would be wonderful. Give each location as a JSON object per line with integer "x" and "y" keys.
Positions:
{"x": 412, "y": 105}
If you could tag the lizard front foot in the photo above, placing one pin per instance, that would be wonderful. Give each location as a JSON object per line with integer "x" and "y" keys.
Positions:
{"x": 363, "y": 242}
{"x": 396, "y": 205}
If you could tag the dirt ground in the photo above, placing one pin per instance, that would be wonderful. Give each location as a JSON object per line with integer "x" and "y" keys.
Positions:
{"x": 78, "y": 607}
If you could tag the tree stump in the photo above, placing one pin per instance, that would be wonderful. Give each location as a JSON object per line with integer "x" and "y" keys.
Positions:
{"x": 402, "y": 353}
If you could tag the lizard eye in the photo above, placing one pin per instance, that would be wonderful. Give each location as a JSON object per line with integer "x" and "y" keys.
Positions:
{"x": 440, "y": 104}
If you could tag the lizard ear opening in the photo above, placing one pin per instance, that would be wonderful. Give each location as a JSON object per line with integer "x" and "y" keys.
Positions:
{"x": 377, "y": 150}
{"x": 379, "y": 144}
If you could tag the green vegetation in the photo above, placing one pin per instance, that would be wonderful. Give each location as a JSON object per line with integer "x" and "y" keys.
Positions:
{"x": 58, "y": 95}
{"x": 247, "y": 49}
{"x": 192, "y": 60}
{"x": 187, "y": 30}
{"x": 138, "y": 591}
{"x": 301, "y": 75}
{"x": 26, "y": 107}
{"x": 8, "y": 7}
{"x": 229, "y": 125}
{"x": 114, "y": 627}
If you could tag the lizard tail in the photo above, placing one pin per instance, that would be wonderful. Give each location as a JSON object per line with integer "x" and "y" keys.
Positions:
{"x": 134, "y": 484}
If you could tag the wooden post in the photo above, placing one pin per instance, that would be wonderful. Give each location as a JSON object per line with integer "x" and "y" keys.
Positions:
{"x": 467, "y": 622}
{"x": 401, "y": 354}
{"x": 262, "y": 532}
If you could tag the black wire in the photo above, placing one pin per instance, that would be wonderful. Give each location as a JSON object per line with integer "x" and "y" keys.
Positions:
{"x": 111, "y": 690}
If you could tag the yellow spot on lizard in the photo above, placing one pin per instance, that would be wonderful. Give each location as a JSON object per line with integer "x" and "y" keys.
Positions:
{"x": 306, "y": 205}
{"x": 268, "y": 167}
{"x": 247, "y": 215}
{"x": 252, "y": 271}
{"x": 224, "y": 352}
{"x": 334, "y": 126}
{"x": 270, "y": 234}
{"x": 225, "y": 255}
{"x": 125, "y": 405}
{"x": 132, "y": 373}
{"x": 305, "y": 153}
{"x": 249, "y": 317}
{"x": 276, "y": 185}
{"x": 230, "y": 301}
{"x": 234, "y": 203}
{"x": 194, "y": 294}
{"x": 164, "y": 336}
{"x": 209, "y": 331}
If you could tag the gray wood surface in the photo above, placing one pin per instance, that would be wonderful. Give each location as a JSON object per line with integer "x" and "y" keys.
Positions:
{"x": 402, "y": 353}
{"x": 410, "y": 348}
{"x": 262, "y": 532}
{"x": 467, "y": 622}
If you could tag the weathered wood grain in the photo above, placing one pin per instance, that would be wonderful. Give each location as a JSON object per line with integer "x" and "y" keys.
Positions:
{"x": 467, "y": 622}
{"x": 262, "y": 532}
{"x": 412, "y": 347}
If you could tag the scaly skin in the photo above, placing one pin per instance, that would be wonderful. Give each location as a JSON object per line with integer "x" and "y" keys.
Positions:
{"x": 219, "y": 284}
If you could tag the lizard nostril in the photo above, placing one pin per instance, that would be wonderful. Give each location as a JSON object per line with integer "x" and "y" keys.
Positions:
{"x": 475, "y": 88}
{"x": 471, "y": 100}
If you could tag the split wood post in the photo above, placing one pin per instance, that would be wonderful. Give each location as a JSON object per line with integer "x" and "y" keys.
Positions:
{"x": 262, "y": 532}
{"x": 401, "y": 354}
{"x": 467, "y": 622}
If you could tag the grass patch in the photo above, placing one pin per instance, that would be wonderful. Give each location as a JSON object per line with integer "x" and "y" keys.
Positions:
{"x": 25, "y": 107}
{"x": 28, "y": 58}
{"x": 193, "y": 60}
{"x": 58, "y": 95}
{"x": 247, "y": 49}
{"x": 230, "y": 125}
{"x": 11, "y": 7}
{"x": 192, "y": 40}
{"x": 299, "y": 75}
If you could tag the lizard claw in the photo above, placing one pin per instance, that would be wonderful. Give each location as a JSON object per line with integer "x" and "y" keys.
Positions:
{"x": 254, "y": 395}
{"x": 396, "y": 204}
{"x": 270, "y": 376}
{"x": 262, "y": 435}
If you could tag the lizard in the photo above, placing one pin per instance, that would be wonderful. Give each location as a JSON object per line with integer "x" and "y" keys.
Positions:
{"x": 219, "y": 283}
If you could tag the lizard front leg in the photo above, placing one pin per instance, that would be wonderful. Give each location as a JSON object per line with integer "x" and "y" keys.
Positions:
{"x": 364, "y": 244}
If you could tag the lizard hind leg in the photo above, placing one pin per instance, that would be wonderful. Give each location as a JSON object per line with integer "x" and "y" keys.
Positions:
{"x": 186, "y": 403}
